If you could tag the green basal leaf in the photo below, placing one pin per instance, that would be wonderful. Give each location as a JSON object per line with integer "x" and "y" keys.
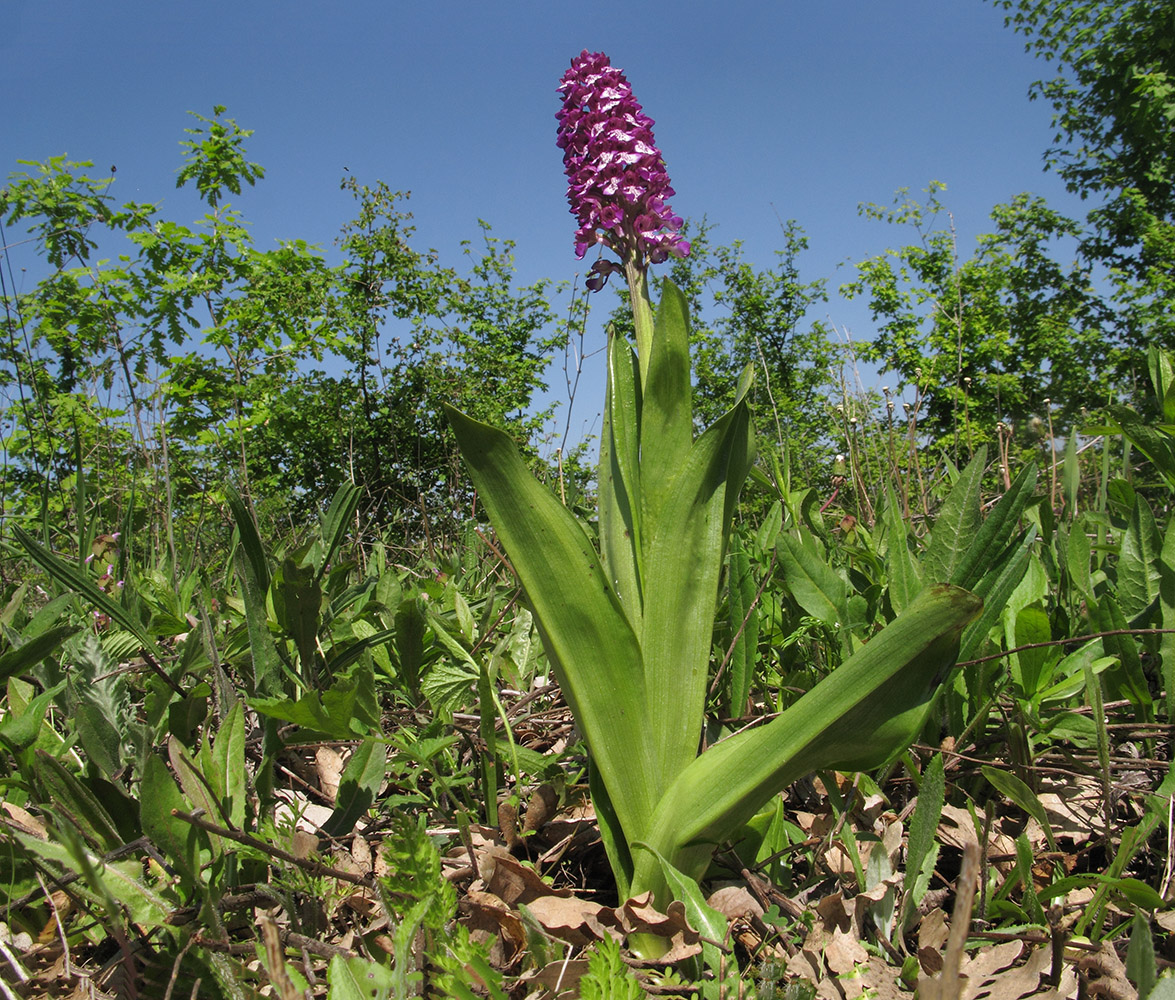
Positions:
{"x": 923, "y": 826}
{"x": 666, "y": 415}
{"x": 585, "y": 629}
{"x": 744, "y": 626}
{"x": 619, "y": 479}
{"x": 684, "y": 560}
{"x": 864, "y": 712}
{"x": 1008, "y": 784}
{"x": 336, "y": 522}
{"x": 67, "y": 797}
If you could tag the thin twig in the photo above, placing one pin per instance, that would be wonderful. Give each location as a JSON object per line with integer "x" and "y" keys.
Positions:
{"x": 1066, "y": 642}
{"x": 306, "y": 864}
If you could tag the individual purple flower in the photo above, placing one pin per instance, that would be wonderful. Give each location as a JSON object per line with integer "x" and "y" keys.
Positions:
{"x": 617, "y": 183}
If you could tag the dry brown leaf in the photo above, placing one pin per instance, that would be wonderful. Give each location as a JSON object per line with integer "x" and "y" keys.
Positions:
{"x": 24, "y": 820}
{"x": 842, "y": 952}
{"x": 1106, "y": 975}
{"x": 361, "y": 855}
{"x": 560, "y": 977}
{"x": 956, "y": 829}
{"x": 1073, "y": 806}
{"x": 508, "y": 825}
{"x": 932, "y": 939}
{"x": 1023, "y": 980}
{"x": 512, "y": 881}
{"x": 639, "y": 916}
{"x": 328, "y": 764}
{"x": 576, "y": 921}
{"x": 491, "y": 921}
{"x": 734, "y": 902}
{"x": 541, "y": 808}
{"x": 891, "y": 841}
{"x": 980, "y": 970}
{"x": 295, "y": 806}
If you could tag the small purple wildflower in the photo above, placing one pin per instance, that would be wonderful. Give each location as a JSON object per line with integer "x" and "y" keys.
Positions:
{"x": 617, "y": 183}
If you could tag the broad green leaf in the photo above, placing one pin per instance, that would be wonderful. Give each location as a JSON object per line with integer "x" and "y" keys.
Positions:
{"x": 1161, "y": 365}
{"x": 253, "y": 572}
{"x": 1008, "y": 784}
{"x": 358, "y": 979}
{"x": 996, "y": 531}
{"x": 1029, "y": 625}
{"x": 67, "y": 797}
{"x": 144, "y": 905}
{"x": 358, "y": 787}
{"x": 179, "y": 841}
{"x": 866, "y": 711}
{"x": 19, "y": 730}
{"x": 905, "y": 581}
{"x": 342, "y": 711}
{"x": 1071, "y": 475}
{"x": 336, "y": 522}
{"x": 1154, "y": 443}
{"x": 956, "y": 526}
{"x": 744, "y": 624}
{"x": 228, "y": 753}
{"x": 585, "y": 630}
{"x": 301, "y": 608}
{"x": 101, "y": 704}
{"x": 1078, "y": 551}
{"x": 711, "y": 924}
{"x": 198, "y": 788}
{"x": 1140, "y": 956}
{"x": 611, "y": 834}
{"x": 372, "y": 641}
{"x": 487, "y": 728}
{"x": 995, "y": 589}
{"x": 1164, "y": 988}
{"x": 1069, "y": 675}
{"x": 1167, "y": 608}
{"x": 1137, "y": 892}
{"x": 1128, "y": 679}
{"x": 1029, "y": 901}
{"x": 813, "y": 583}
{"x": 1138, "y": 561}
{"x": 410, "y": 643}
{"x": 769, "y": 530}
{"x": 22, "y": 658}
{"x": 923, "y": 826}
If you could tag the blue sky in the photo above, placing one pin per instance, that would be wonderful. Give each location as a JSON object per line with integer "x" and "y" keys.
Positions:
{"x": 763, "y": 110}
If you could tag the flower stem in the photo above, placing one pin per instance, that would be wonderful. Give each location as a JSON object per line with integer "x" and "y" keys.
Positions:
{"x": 642, "y": 314}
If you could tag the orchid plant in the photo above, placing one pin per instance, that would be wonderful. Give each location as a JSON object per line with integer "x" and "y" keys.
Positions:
{"x": 628, "y": 625}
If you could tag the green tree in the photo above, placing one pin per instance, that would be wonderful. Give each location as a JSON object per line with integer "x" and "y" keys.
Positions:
{"x": 184, "y": 354}
{"x": 1007, "y": 335}
{"x": 1113, "y": 100}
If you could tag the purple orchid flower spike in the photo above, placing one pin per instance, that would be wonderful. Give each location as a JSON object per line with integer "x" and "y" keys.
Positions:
{"x": 617, "y": 183}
